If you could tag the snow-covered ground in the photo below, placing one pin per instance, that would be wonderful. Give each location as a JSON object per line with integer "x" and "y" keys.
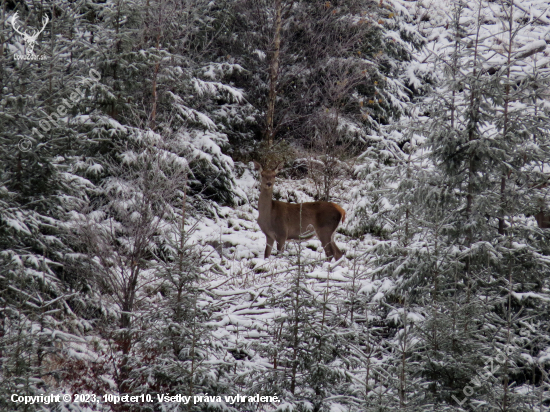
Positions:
{"x": 242, "y": 282}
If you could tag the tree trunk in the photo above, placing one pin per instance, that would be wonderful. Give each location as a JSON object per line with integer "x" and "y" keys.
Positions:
{"x": 274, "y": 74}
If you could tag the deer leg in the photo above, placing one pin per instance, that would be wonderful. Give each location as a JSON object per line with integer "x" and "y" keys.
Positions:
{"x": 281, "y": 245}
{"x": 268, "y": 246}
{"x": 337, "y": 252}
{"x": 327, "y": 244}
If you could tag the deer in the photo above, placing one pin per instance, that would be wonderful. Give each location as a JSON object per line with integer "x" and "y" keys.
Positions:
{"x": 282, "y": 221}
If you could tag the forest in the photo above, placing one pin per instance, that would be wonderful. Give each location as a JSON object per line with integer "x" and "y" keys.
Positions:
{"x": 139, "y": 140}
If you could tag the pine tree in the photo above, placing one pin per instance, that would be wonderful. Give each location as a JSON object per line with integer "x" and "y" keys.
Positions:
{"x": 344, "y": 58}
{"x": 455, "y": 210}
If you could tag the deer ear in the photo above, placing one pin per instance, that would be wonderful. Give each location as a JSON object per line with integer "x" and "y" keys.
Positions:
{"x": 278, "y": 167}
{"x": 257, "y": 166}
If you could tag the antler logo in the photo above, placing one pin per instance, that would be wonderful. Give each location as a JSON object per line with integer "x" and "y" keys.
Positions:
{"x": 29, "y": 39}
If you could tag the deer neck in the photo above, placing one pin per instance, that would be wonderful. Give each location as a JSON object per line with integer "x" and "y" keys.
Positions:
{"x": 265, "y": 204}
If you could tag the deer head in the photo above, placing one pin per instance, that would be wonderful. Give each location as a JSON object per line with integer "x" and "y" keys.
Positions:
{"x": 29, "y": 39}
{"x": 267, "y": 177}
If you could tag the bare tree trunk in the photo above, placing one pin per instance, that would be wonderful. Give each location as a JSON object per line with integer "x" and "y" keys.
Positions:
{"x": 501, "y": 230}
{"x": 116, "y": 87}
{"x": 155, "y": 76}
{"x": 2, "y": 40}
{"x": 191, "y": 390}
{"x": 403, "y": 359}
{"x": 274, "y": 73}
{"x": 506, "y": 104}
{"x": 474, "y": 107}
{"x": 126, "y": 326}
{"x": 296, "y": 327}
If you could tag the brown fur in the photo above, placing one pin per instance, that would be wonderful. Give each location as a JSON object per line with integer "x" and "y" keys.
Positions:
{"x": 342, "y": 211}
{"x": 281, "y": 221}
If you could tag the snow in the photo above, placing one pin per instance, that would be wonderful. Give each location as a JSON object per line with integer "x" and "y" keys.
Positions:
{"x": 247, "y": 295}
{"x": 534, "y": 45}
{"x": 18, "y": 225}
{"x": 217, "y": 89}
{"x": 261, "y": 55}
{"x": 544, "y": 357}
{"x": 524, "y": 296}
{"x": 216, "y": 71}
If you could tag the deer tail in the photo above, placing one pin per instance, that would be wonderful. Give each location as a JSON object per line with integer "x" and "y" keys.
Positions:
{"x": 341, "y": 211}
